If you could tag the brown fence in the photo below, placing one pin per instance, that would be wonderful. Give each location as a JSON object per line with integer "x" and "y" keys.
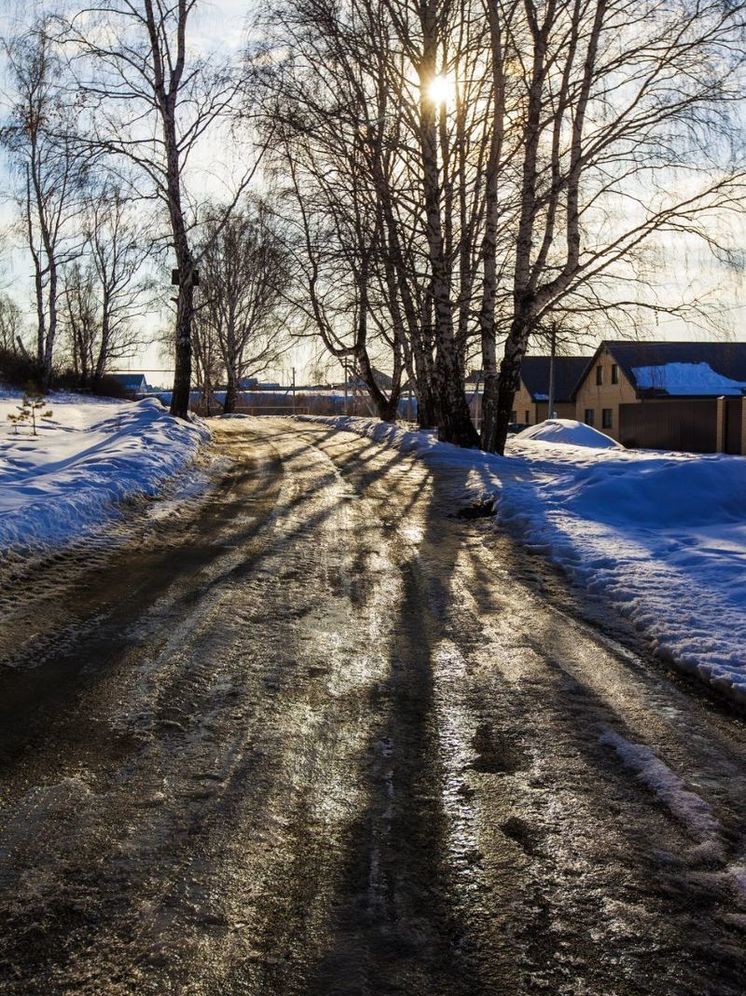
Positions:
{"x": 734, "y": 426}
{"x": 689, "y": 425}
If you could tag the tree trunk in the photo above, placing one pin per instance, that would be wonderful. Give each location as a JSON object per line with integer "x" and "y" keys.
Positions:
{"x": 509, "y": 380}
{"x": 231, "y": 393}
{"x": 183, "y": 349}
{"x": 454, "y": 419}
{"x": 488, "y": 332}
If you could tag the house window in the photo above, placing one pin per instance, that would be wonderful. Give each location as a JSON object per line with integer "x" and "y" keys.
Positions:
{"x": 512, "y": 416}
{"x": 589, "y": 414}
{"x": 527, "y": 420}
{"x": 599, "y": 375}
{"x": 606, "y": 418}
{"x": 614, "y": 373}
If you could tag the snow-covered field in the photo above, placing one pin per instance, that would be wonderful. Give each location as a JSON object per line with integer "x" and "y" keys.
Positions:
{"x": 662, "y": 536}
{"x": 92, "y": 454}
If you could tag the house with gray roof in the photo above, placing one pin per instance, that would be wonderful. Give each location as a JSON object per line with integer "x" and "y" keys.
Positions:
{"x": 685, "y": 396}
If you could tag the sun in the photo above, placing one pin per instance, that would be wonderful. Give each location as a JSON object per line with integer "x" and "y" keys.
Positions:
{"x": 442, "y": 89}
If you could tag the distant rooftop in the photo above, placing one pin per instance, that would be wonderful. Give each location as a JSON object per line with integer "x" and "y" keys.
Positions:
{"x": 567, "y": 373}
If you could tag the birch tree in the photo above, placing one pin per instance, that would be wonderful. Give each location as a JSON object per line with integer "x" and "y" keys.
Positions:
{"x": 106, "y": 294}
{"x": 51, "y": 169}
{"x": 245, "y": 274}
{"x": 155, "y": 103}
{"x": 622, "y": 117}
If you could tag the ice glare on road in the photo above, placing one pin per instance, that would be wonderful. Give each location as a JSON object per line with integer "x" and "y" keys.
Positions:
{"x": 313, "y": 733}
{"x": 659, "y": 535}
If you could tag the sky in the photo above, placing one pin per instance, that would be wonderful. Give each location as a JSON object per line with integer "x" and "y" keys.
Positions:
{"x": 222, "y": 24}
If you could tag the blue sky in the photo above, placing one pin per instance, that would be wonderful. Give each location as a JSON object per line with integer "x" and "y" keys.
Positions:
{"x": 221, "y": 24}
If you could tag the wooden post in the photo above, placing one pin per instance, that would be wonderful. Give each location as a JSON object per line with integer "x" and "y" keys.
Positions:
{"x": 552, "y": 354}
{"x": 720, "y": 425}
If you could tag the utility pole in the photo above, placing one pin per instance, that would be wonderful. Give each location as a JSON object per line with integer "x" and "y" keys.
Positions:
{"x": 293, "y": 390}
{"x": 344, "y": 368}
{"x": 552, "y": 354}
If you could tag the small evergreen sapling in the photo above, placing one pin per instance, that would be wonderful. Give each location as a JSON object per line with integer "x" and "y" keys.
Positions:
{"x": 29, "y": 410}
{"x": 16, "y": 420}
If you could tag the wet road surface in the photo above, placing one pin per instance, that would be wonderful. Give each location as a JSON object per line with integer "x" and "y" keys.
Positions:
{"x": 313, "y": 735}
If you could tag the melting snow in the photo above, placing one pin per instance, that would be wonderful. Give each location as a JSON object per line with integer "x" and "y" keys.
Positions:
{"x": 688, "y": 807}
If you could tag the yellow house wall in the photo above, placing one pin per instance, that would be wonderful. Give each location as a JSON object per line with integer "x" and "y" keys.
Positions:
{"x": 606, "y": 395}
{"x": 564, "y": 409}
{"x": 522, "y": 403}
{"x": 537, "y": 410}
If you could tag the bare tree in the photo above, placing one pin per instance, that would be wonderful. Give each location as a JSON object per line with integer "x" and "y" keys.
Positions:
{"x": 12, "y": 325}
{"x": 51, "y": 167}
{"x": 154, "y": 102}
{"x": 79, "y": 317}
{"x": 245, "y": 274}
{"x": 620, "y": 125}
{"x": 396, "y": 152}
{"x": 106, "y": 295}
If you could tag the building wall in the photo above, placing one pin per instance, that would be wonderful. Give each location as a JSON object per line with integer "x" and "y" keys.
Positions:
{"x": 563, "y": 409}
{"x": 532, "y": 412}
{"x": 605, "y": 395}
{"x": 523, "y": 405}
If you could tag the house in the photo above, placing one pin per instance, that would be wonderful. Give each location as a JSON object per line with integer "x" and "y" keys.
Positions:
{"x": 531, "y": 404}
{"x": 356, "y": 382}
{"x": 133, "y": 384}
{"x": 667, "y": 395}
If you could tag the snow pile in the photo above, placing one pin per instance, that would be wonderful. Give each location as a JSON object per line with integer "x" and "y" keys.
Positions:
{"x": 686, "y": 379}
{"x": 90, "y": 455}
{"x": 569, "y": 432}
{"x": 662, "y": 536}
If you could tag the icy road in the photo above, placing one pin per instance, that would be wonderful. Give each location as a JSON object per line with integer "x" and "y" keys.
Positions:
{"x": 314, "y": 735}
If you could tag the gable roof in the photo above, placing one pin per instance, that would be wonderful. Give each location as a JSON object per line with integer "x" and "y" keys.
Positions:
{"x": 130, "y": 381}
{"x": 681, "y": 369}
{"x": 567, "y": 373}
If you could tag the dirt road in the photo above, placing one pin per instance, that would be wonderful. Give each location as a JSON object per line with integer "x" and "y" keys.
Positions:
{"x": 315, "y": 736}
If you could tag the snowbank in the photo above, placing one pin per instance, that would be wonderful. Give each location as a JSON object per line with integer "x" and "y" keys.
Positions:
{"x": 90, "y": 455}
{"x": 662, "y": 536}
{"x": 569, "y": 432}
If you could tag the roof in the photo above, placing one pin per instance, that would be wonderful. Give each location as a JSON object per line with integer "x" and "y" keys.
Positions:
{"x": 681, "y": 369}
{"x": 568, "y": 371}
{"x": 130, "y": 381}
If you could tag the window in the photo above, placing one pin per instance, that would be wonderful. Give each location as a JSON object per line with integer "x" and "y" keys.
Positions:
{"x": 527, "y": 420}
{"x": 606, "y": 418}
{"x": 589, "y": 413}
{"x": 614, "y": 373}
{"x": 599, "y": 375}
{"x": 512, "y": 416}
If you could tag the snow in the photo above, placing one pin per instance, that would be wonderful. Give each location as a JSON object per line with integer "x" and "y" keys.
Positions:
{"x": 686, "y": 379}
{"x": 91, "y": 455}
{"x": 688, "y": 807}
{"x": 660, "y": 536}
{"x": 567, "y": 430}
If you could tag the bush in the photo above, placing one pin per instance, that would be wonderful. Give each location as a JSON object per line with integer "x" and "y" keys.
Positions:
{"x": 18, "y": 370}
{"x": 106, "y": 387}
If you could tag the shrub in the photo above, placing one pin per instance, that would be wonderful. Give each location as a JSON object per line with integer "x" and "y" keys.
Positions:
{"x": 19, "y": 370}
